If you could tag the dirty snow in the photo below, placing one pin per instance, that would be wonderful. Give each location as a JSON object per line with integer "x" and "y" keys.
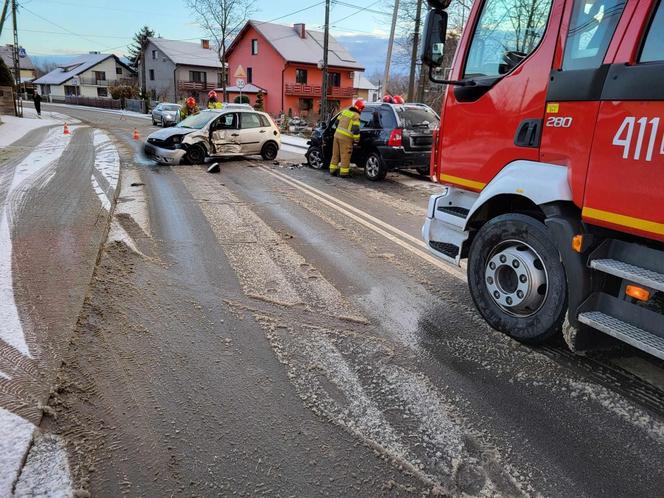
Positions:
{"x": 13, "y": 128}
{"x": 46, "y": 472}
{"x": 15, "y": 437}
{"x": 107, "y": 163}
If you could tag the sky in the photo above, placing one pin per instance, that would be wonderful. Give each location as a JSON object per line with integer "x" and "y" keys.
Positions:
{"x": 71, "y": 27}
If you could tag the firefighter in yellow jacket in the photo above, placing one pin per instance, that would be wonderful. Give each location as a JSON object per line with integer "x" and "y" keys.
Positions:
{"x": 213, "y": 102}
{"x": 348, "y": 131}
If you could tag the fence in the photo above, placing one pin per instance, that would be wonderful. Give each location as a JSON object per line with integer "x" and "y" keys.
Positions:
{"x": 93, "y": 102}
{"x": 136, "y": 105}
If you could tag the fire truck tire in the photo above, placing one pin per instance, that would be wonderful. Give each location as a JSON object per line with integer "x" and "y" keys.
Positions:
{"x": 516, "y": 278}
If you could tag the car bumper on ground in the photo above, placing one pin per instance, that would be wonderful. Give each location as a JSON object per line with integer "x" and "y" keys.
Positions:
{"x": 398, "y": 158}
{"x": 164, "y": 156}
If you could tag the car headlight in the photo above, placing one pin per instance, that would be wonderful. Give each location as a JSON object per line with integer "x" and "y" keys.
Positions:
{"x": 176, "y": 139}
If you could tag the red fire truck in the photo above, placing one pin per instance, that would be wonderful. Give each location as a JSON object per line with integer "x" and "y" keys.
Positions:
{"x": 551, "y": 151}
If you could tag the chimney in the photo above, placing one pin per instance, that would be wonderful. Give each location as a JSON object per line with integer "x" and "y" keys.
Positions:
{"x": 205, "y": 44}
{"x": 299, "y": 29}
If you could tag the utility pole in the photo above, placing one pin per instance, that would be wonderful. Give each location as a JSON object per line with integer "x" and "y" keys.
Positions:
{"x": 413, "y": 56}
{"x": 17, "y": 64}
{"x": 326, "y": 40}
{"x": 386, "y": 77}
{"x": 3, "y": 16}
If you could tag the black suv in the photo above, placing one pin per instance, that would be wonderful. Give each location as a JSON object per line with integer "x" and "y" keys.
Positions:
{"x": 392, "y": 136}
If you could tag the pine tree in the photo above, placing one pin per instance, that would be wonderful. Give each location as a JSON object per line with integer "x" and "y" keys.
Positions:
{"x": 139, "y": 40}
{"x": 6, "y": 78}
{"x": 259, "y": 101}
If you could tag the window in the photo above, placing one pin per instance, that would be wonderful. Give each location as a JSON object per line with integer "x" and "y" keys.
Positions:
{"x": 154, "y": 55}
{"x": 265, "y": 123}
{"x": 250, "y": 74}
{"x": 301, "y": 76}
{"x": 197, "y": 76}
{"x": 46, "y": 89}
{"x": 305, "y": 104}
{"x": 102, "y": 91}
{"x": 100, "y": 75}
{"x": 653, "y": 48}
{"x": 387, "y": 119}
{"x": 151, "y": 74}
{"x": 590, "y": 30}
{"x": 254, "y": 47}
{"x": 118, "y": 70}
{"x": 226, "y": 122}
{"x": 71, "y": 90}
{"x": 367, "y": 118}
{"x": 507, "y": 32}
{"x": 249, "y": 120}
{"x": 334, "y": 79}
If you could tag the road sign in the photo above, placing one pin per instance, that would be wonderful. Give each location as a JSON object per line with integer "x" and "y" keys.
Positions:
{"x": 240, "y": 72}
{"x": 21, "y": 52}
{"x": 75, "y": 81}
{"x": 239, "y": 83}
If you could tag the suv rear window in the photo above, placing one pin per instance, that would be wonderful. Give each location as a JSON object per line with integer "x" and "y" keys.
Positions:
{"x": 413, "y": 117}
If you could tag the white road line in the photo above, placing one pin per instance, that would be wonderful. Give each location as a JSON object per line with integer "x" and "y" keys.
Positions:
{"x": 336, "y": 205}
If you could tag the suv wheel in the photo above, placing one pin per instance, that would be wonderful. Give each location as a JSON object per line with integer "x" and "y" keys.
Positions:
{"x": 315, "y": 158}
{"x": 374, "y": 169}
{"x": 269, "y": 151}
{"x": 195, "y": 155}
{"x": 154, "y": 123}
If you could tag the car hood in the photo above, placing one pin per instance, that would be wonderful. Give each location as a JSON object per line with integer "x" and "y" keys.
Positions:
{"x": 166, "y": 133}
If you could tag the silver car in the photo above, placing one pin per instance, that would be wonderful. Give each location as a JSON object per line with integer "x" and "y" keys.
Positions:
{"x": 166, "y": 114}
{"x": 232, "y": 131}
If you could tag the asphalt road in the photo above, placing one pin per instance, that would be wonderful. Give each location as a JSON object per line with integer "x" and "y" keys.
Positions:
{"x": 271, "y": 330}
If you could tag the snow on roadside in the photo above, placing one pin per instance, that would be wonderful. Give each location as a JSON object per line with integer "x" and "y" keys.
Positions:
{"x": 107, "y": 163}
{"x": 15, "y": 437}
{"x": 13, "y": 128}
{"x": 46, "y": 471}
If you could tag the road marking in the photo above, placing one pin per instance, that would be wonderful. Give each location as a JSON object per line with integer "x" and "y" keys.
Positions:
{"x": 350, "y": 211}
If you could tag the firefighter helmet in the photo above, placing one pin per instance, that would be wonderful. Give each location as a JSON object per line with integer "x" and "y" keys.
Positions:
{"x": 212, "y": 94}
{"x": 191, "y": 102}
{"x": 388, "y": 99}
{"x": 398, "y": 99}
{"x": 359, "y": 104}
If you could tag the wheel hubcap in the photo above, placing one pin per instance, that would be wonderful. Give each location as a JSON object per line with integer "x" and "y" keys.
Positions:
{"x": 372, "y": 166}
{"x": 516, "y": 278}
{"x": 315, "y": 160}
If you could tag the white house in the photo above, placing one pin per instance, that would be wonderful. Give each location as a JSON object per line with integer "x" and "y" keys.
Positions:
{"x": 88, "y": 75}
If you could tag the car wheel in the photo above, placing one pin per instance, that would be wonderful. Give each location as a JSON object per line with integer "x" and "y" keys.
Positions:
{"x": 154, "y": 123}
{"x": 195, "y": 155}
{"x": 516, "y": 278}
{"x": 374, "y": 169}
{"x": 269, "y": 151}
{"x": 315, "y": 158}
{"x": 162, "y": 124}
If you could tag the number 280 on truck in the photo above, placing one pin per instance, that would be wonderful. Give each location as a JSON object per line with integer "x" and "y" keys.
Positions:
{"x": 551, "y": 151}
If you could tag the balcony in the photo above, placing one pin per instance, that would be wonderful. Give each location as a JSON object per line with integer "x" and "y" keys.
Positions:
{"x": 98, "y": 82}
{"x": 298, "y": 90}
{"x": 199, "y": 86}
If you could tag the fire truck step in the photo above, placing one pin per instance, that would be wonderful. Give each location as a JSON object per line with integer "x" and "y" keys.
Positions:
{"x": 458, "y": 211}
{"x": 630, "y": 272}
{"x": 625, "y": 332}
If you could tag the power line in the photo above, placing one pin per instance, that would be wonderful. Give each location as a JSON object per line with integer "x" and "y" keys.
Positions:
{"x": 57, "y": 25}
{"x": 363, "y": 9}
{"x": 357, "y": 12}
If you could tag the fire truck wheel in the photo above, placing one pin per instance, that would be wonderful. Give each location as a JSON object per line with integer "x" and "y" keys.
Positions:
{"x": 374, "y": 169}
{"x": 516, "y": 278}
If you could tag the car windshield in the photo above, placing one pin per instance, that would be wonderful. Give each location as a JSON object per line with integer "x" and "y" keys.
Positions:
{"x": 171, "y": 107}
{"x": 413, "y": 117}
{"x": 197, "y": 121}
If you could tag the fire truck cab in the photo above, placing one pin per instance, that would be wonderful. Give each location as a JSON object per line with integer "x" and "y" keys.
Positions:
{"x": 551, "y": 151}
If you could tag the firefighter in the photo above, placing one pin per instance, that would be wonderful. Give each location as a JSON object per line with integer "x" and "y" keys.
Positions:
{"x": 190, "y": 108}
{"x": 348, "y": 131}
{"x": 213, "y": 103}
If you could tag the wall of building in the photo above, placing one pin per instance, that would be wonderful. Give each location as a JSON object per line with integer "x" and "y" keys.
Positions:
{"x": 315, "y": 78}
{"x": 266, "y": 66}
{"x": 212, "y": 78}
{"x": 162, "y": 85}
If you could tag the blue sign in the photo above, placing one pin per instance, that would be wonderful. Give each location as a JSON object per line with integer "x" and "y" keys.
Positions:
{"x": 21, "y": 52}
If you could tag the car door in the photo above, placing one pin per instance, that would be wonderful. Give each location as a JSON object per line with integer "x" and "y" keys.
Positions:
{"x": 156, "y": 112}
{"x": 251, "y": 133}
{"x": 369, "y": 132}
{"x": 624, "y": 183}
{"x": 507, "y": 55}
{"x": 224, "y": 134}
{"x": 327, "y": 138}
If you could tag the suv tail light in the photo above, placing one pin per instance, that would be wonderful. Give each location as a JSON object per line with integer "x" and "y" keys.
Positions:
{"x": 395, "y": 138}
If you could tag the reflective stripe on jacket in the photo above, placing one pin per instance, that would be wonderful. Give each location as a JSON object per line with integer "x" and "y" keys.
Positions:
{"x": 349, "y": 124}
{"x": 215, "y": 105}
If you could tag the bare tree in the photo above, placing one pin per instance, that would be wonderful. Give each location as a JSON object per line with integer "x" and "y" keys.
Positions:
{"x": 222, "y": 20}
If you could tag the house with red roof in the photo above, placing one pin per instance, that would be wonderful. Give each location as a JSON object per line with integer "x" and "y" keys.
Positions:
{"x": 284, "y": 63}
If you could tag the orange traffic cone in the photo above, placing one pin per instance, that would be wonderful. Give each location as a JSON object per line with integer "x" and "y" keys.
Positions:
{"x": 66, "y": 130}
{"x": 136, "y": 137}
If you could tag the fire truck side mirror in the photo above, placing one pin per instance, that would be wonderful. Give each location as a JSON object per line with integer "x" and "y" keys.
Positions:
{"x": 435, "y": 29}
{"x": 439, "y": 4}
